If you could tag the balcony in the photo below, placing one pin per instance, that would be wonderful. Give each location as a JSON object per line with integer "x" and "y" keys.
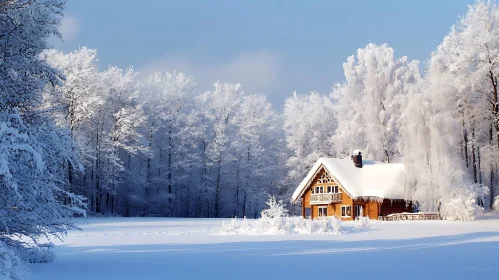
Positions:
{"x": 325, "y": 198}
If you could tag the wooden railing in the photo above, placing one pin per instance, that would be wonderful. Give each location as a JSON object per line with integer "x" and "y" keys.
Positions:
{"x": 410, "y": 217}
{"x": 325, "y": 198}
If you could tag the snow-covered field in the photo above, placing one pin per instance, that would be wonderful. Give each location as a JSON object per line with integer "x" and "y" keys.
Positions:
{"x": 160, "y": 248}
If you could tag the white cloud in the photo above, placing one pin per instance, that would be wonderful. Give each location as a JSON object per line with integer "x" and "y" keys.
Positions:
{"x": 257, "y": 71}
{"x": 70, "y": 26}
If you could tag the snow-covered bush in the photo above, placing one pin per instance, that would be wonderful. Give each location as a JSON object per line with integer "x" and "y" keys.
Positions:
{"x": 463, "y": 204}
{"x": 276, "y": 209}
{"x": 41, "y": 253}
{"x": 330, "y": 224}
{"x": 496, "y": 203}
{"x": 281, "y": 225}
{"x": 362, "y": 223}
{"x": 274, "y": 220}
{"x": 235, "y": 225}
{"x": 11, "y": 266}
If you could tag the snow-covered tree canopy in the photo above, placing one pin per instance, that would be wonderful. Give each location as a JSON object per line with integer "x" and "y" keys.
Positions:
{"x": 25, "y": 26}
{"x": 370, "y": 101}
{"x": 35, "y": 200}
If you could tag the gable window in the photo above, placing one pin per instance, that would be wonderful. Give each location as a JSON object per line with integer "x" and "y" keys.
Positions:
{"x": 346, "y": 211}
{"x": 322, "y": 211}
{"x": 332, "y": 189}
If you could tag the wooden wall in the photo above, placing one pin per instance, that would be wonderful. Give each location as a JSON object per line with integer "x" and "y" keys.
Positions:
{"x": 372, "y": 210}
{"x": 332, "y": 209}
{"x": 394, "y": 206}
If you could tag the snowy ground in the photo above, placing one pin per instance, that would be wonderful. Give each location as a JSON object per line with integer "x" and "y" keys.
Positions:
{"x": 156, "y": 248}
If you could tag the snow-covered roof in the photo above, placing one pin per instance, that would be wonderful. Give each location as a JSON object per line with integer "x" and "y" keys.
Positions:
{"x": 374, "y": 179}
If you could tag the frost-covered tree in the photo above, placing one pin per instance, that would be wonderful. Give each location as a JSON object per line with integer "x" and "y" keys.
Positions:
{"x": 24, "y": 27}
{"x": 259, "y": 162}
{"x": 75, "y": 102}
{"x": 167, "y": 101}
{"x": 104, "y": 115}
{"x": 117, "y": 134}
{"x": 309, "y": 125}
{"x": 34, "y": 197}
{"x": 369, "y": 103}
{"x": 219, "y": 110}
{"x": 436, "y": 176}
{"x": 462, "y": 81}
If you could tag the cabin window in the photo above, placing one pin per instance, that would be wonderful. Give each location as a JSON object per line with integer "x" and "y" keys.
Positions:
{"x": 332, "y": 189}
{"x": 346, "y": 211}
{"x": 322, "y": 211}
{"x": 308, "y": 212}
{"x": 319, "y": 189}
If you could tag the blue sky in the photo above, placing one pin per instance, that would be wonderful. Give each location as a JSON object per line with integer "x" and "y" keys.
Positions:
{"x": 271, "y": 47}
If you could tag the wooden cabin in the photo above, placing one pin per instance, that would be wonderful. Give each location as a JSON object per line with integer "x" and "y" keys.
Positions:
{"x": 352, "y": 187}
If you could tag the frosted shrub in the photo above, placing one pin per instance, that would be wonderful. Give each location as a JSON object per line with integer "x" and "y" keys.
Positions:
{"x": 362, "y": 223}
{"x": 276, "y": 209}
{"x": 335, "y": 225}
{"x": 42, "y": 253}
{"x": 281, "y": 225}
{"x": 11, "y": 266}
{"x": 465, "y": 209}
{"x": 496, "y": 203}
{"x": 463, "y": 205}
{"x": 324, "y": 224}
{"x": 234, "y": 226}
{"x": 329, "y": 225}
{"x": 274, "y": 220}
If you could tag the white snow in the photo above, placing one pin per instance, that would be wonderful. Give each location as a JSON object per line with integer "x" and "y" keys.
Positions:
{"x": 161, "y": 248}
{"x": 374, "y": 179}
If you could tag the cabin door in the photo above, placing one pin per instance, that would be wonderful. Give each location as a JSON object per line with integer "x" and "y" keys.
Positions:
{"x": 359, "y": 211}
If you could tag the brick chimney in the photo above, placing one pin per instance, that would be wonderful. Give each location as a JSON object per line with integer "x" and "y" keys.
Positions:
{"x": 357, "y": 158}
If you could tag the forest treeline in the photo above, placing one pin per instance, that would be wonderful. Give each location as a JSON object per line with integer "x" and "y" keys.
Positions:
{"x": 160, "y": 146}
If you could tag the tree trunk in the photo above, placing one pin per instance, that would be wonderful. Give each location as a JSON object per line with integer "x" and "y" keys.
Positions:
{"x": 473, "y": 155}
{"x": 495, "y": 105}
{"x": 170, "y": 184}
{"x": 238, "y": 168}
{"x": 244, "y": 203}
{"x": 465, "y": 148}
{"x": 149, "y": 175}
{"x": 479, "y": 167}
{"x": 217, "y": 187}
{"x": 491, "y": 188}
